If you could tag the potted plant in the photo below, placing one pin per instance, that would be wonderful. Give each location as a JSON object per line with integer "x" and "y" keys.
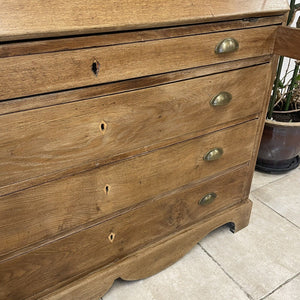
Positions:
{"x": 280, "y": 144}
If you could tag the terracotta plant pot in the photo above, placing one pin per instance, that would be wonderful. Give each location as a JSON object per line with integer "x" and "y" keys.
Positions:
{"x": 279, "y": 148}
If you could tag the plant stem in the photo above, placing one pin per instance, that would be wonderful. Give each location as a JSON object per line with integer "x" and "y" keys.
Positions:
{"x": 291, "y": 88}
{"x": 291, "y": 13}
{"x": 279, "y": 68}
{"x": 275, "y": 88}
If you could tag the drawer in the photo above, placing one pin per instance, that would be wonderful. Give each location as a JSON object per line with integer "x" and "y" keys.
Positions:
{"x": 41, "y": 73}
{"x": 112, "y": 240}
{"x": 62, "y": 205}
{"x": 51, "y": 139}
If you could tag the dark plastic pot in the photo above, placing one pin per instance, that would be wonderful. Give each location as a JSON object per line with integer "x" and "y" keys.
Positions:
{"x": 280, "y": 147}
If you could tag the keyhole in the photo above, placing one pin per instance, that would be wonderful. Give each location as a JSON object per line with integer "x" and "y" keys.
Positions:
{"x": 96, "y": 67}
{"x": 111, "y": 237}
{"x": 107, "y": 189}
{"x": 103, "y": 127}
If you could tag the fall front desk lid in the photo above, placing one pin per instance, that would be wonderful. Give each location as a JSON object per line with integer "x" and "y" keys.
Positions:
{"x": 28, "y": 19}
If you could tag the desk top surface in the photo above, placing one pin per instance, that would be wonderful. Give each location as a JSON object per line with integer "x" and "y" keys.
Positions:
{"x": 29, "y": 19}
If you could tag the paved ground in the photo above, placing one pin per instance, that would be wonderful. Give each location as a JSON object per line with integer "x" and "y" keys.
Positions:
{"x": 261, "y": 261}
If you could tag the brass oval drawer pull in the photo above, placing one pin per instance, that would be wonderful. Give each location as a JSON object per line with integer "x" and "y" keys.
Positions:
{"x": 207, "y": 199}
{"x": 226, "y": 46}
{"x": 221, "y": 99}
{"x": 213, "y": 154}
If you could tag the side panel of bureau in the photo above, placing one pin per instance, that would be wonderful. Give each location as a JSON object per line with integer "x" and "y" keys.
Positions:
{"x": 38, "y": 142}
{"x": 115, "y": 239}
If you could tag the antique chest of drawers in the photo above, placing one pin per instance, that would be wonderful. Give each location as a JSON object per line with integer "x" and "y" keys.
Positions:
{"x": 129, "y": 131}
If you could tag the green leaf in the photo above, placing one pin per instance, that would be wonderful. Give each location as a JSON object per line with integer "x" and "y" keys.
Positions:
{"x": 298, "y": 77}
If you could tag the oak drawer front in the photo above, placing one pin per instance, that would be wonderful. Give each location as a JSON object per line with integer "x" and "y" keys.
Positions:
{"x": 41, "y": 73}
{"x": 47, "y": 140}
{"x": 118, "y": 237}
{"x": 56, "y": 207}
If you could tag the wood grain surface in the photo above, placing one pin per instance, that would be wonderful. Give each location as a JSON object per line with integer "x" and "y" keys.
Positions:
{"x": 269, "y": 79}
{"x": 60, "y": 206}
{"x": 105, "y": 120}
{"x": 37, "y": 19}
{"x": 154, "y": 258}
{"x": 43, "y": 141}
{"x": 288, "y": 42}
{"x": 41, "y": 73}
{"x": 115, "y": 239}
{"x": 112, "y": 88}
{"x": 72, "y": 43}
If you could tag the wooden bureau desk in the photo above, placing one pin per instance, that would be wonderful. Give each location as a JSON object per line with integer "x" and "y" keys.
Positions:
{"x": 129, "y": 131}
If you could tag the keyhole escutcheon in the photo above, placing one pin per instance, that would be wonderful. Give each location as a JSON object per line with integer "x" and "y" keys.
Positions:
{"x": 111, "y": 237}
{"x": 103, "y": 127}
{"x": 96, "y": 67}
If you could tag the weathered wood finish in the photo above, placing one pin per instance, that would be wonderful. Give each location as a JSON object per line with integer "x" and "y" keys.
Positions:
{"x": 22, "y": 185}
{"x": 58, "y": 18}
{"x": 154, "y": 258}
{"x": 102, "y": 173}
{"x": 270, "y": 78}
{"x": 59, "y": 137}
{"x": 96, "y": 91}
{"x": 288, "y": 42}
{"x": 90, "y": 41}
{"x": 85, "y": 198}
{"x": 93, "y": 248}
{"x": 50, "y": 72}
